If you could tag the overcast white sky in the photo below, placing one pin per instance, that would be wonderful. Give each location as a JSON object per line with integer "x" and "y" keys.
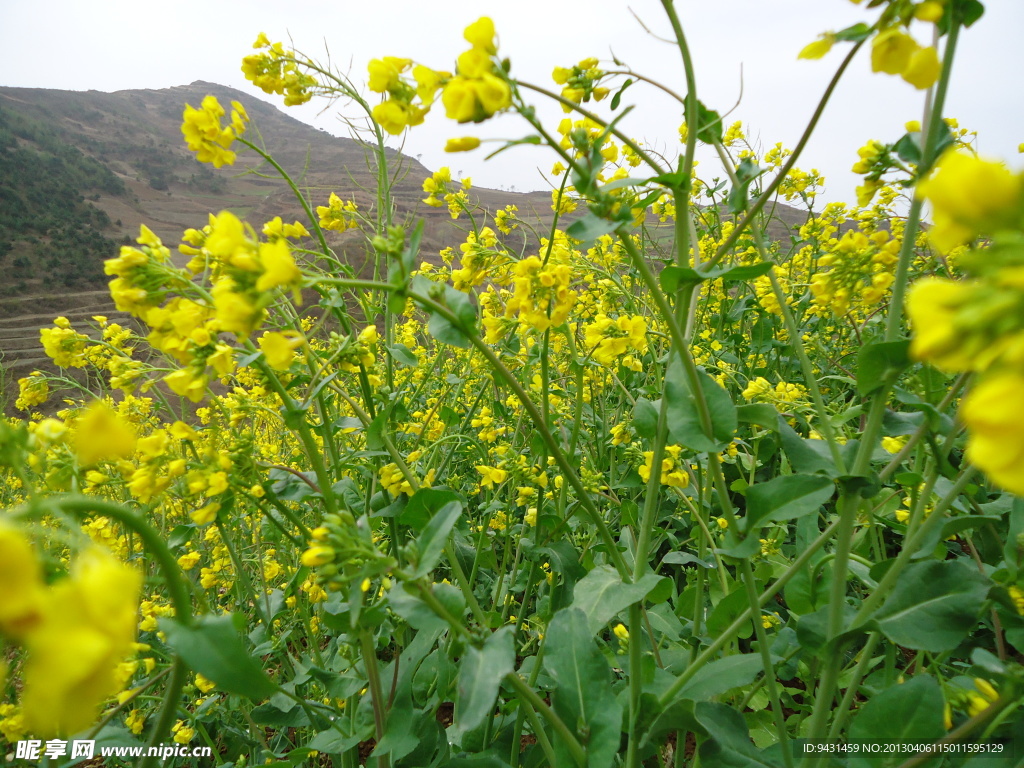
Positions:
{"x": 111, "y": 45}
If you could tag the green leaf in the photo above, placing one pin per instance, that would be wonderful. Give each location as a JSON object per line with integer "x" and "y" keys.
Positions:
{"x": 907, "y": 712}
{"x": 739, "y": 196}
{"x": 583, "y": 695}
{"x": 854, "y": 34}
{"x": 431, "y": 542}
{"x": 758, "y": 414}
{"x": 617, "y": 97}
{"x": 785, "y": 498}
{"x": 809, "y": 456}
{"x": 403, "y": 355}
{"x": 684, "y": 426}
{"x": 966, "y": 12}
{"x": 674, "y": 180}
{"x": 909, "y": 147}
{"x": 590, "y": 228}
{"x": 812, "y": 629}
{"x": 424, "y": 504}
{"x": 685, "y": 558}
{"x": 375, "y": 432}
{"x": 881, "y": 364}
{"x": 440, "y": 327}
{"x": 709, "y": 124}
{"x": 332, "y": 742}
{"x": 722, "y": 675}
{"x": 476, "y": 761}
{"x": 213, "y": 648}
{"x": 934, "y": 605}
{"x": 289, "y": 486}
{"x": 673, "y": 277}
{"x": 645, "y": 418}
{"x": 602, "y": 593}
{"x": 728, "y": 743}
{"x": 535, "y": 140}
{"x": 726, "y": 611}
{"x": 410, "y": 606}
{"x": 480, "y": 674}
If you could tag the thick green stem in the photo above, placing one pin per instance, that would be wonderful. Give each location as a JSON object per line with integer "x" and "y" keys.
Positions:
{"x": 376, "y": 692}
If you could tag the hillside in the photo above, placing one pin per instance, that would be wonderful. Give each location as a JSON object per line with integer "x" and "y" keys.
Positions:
{"x": 81, "y": 171}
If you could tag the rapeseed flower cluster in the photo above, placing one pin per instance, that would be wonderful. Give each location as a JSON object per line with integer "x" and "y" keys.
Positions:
{"x": 977, "y": 324}
{"x": 277, "y": 70}
{"x": 75, "y": 632}
{"x": 205, "y": 135}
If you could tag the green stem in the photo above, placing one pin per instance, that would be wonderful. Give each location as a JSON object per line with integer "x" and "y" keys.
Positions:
{"x": 376, "y": 693}
{"x": 729, "y": 632}
{"x": 766, "y": 660}
{"x": 538, "y": 420}
{"x": 527, "y": 694}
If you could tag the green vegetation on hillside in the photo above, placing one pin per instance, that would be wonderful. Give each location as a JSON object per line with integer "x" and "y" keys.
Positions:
{"x": 47, "y": 227}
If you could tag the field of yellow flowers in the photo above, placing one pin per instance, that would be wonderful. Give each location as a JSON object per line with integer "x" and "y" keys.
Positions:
{"x": 645, "y": 489}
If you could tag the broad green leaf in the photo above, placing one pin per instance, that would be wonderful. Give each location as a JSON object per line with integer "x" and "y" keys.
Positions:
{"x": 444, "y": 331}
{"x": 758, "y": 414}
{"x": 728, "y": 743}
{"x": 432, "y": 541}
{"x": 722, "y": 675}
{"x": 684, "y": 558}
{"x": 476, "y": 761}
{"x": 934, "y": 605}
{"x": 289, "y": 486}
{"x": 808, "y": 456}
{"x": 403, "y": 355}
{"x": 424, "y": 504}
{"x": 907, "y": 712}
{"x": 410, "y": 606}
{"x": 440, "y": 327}
{"x": 726, "y": 611}
{"x": 602, "y": 593}
{"x": 645, "y": 418}
{"x": 332, "y": 742}
{"x": 684, "y": 424}
{"x": 375, "y": 432}
{"x": 1014, "y": 505}
{"x": 213, "y": 648}
{"x": 709, "y": 124}
{"x": 480, "y": 674}
{"x": 812, "y": 629}
{"x": 950, "y": 528}
{"x": 785, "y": 498}
{"x": 909, "y": 147}
{"x": 673, "y": 277}
{"x": 881, "y": 364}
{"x": 583, "y": 695}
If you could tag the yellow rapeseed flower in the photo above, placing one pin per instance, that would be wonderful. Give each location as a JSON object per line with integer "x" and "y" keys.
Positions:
{"x": 101, "y": 434}
{"x": 994, "y": 415}
{"x": 87, "y": 630}
{"x": 970, "y": 196}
